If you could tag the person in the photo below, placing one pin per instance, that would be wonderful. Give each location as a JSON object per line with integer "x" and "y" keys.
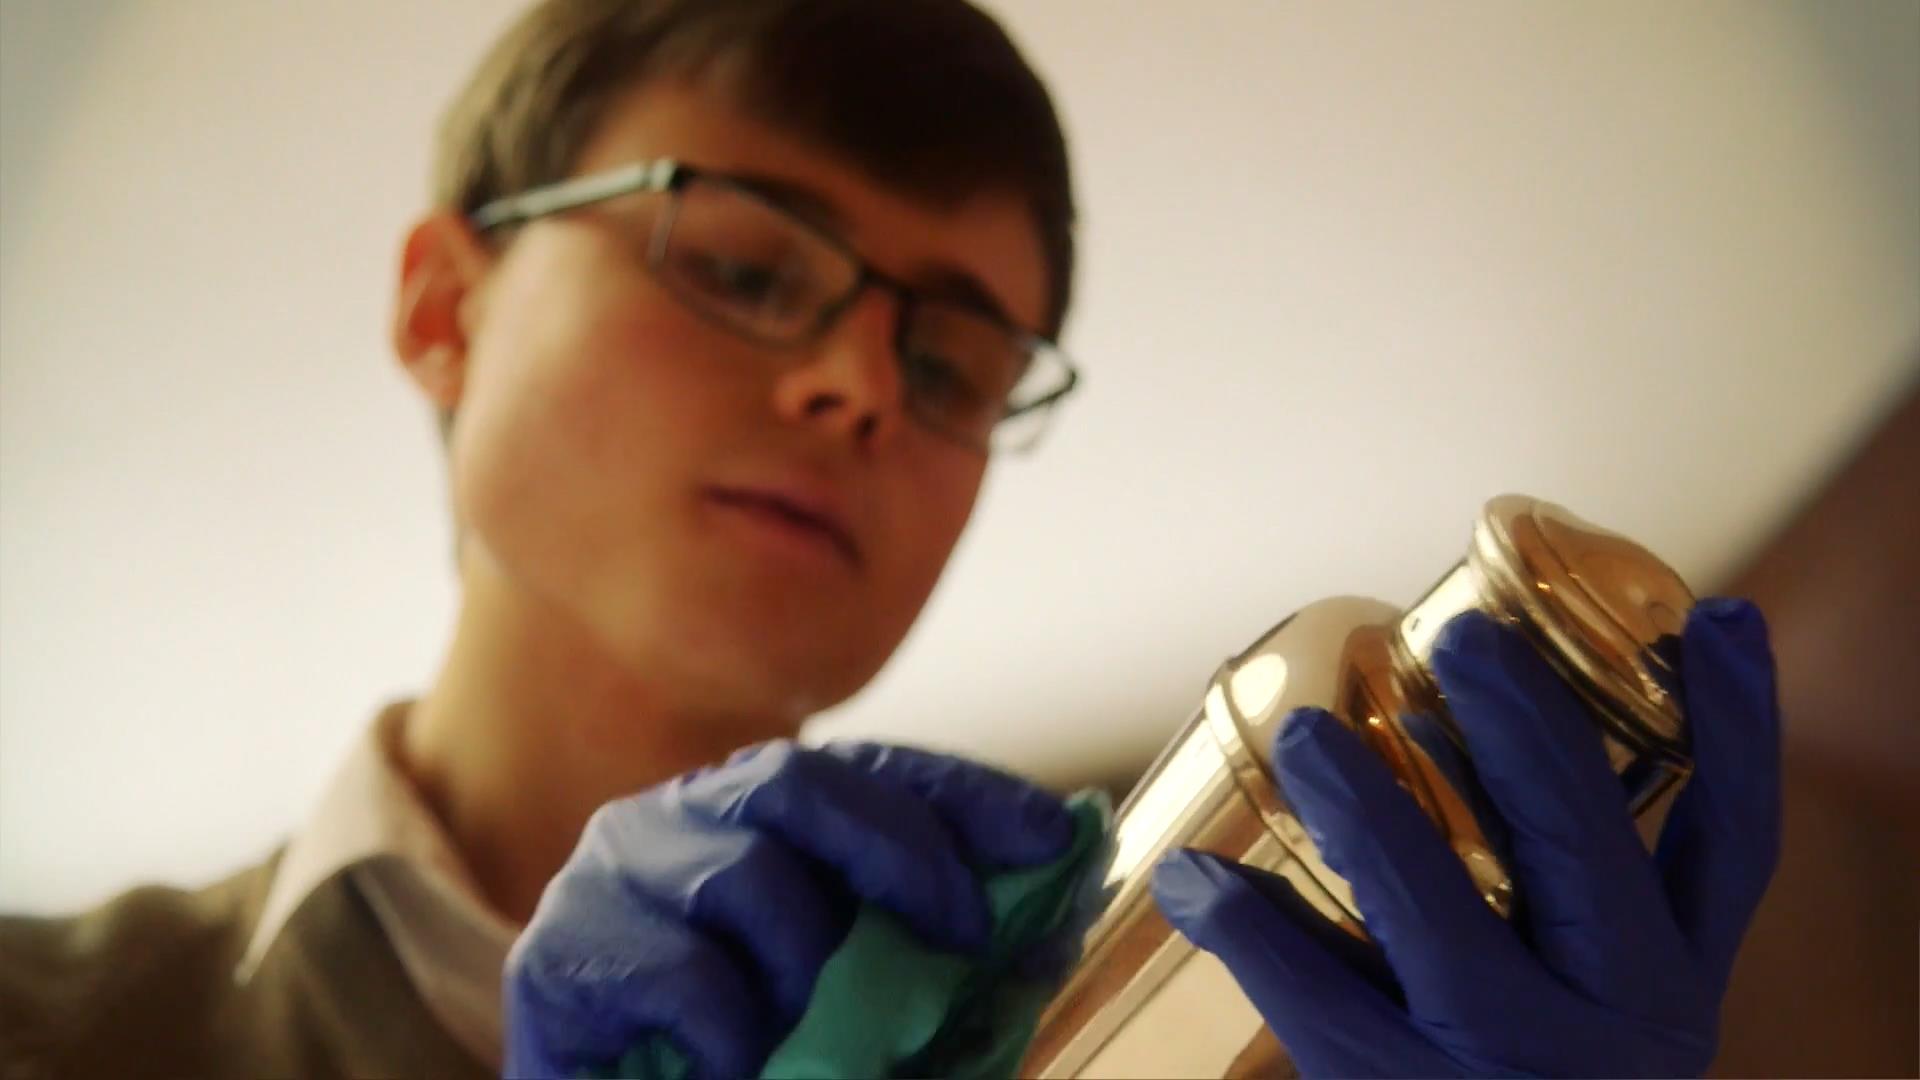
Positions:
{"x": 725, "y": 307}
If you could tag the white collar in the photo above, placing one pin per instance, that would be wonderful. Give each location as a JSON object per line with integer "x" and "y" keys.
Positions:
{"x": 372, "y": 822}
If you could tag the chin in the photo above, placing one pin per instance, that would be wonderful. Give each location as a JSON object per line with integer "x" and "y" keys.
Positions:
{"x": 735, "y": 666}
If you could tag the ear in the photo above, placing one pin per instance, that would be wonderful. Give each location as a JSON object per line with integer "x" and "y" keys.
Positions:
{"x": 442, "y": 267}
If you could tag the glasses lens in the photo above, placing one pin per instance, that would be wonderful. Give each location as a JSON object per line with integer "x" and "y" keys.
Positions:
{"x": 971, "y": 375}
{"x": 755, "y": 268}
{"x": 758, "y": 270}
{"x": 957, "y": 369}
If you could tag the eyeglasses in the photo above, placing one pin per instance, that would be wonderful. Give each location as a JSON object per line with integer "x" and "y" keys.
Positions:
{"x": 743, "y": 262}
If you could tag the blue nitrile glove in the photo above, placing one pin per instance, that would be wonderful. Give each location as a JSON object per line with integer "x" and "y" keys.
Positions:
{"x": 1617, "y": 961}
{"x": 704, "y": 908}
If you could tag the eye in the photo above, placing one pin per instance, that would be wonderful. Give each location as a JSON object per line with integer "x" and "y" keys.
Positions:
{"x": 734, "y": 280}
{"x": 937, "y": 381}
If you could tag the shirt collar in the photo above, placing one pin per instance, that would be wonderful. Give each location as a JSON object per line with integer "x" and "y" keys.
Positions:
{"x": 368, "y": 812}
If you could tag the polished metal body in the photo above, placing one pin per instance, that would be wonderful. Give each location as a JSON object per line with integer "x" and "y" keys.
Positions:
{"x": 1604, "y": 611}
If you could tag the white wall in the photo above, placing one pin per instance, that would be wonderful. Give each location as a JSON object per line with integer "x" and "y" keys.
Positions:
{"x": 1349, "y": 269}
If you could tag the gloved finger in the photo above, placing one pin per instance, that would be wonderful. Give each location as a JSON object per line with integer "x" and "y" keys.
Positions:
{"x": 1436, "y": 741}
{"x": 601, "y": 968}
{"x": 1721, "y": 841}
{"x": 885, "y": 842}
{"x": 1592, "y": 901}
{"x": 1330, "y": 1017}
{"x": 1446, "y": 947}
{"x": 720, "y": 879}
{"x": 999, "y": 819}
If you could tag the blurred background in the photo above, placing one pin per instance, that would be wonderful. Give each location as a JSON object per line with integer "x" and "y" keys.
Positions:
{"x": 1348, "y": 270}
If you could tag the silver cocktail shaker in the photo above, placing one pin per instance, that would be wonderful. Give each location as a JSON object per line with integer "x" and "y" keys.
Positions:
{"x": 1603, "y": 610}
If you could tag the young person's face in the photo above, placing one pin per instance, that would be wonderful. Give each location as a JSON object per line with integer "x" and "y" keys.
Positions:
{"x": 614, "y": 452}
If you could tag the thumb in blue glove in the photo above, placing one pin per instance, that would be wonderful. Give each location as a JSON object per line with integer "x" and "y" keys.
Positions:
{"x": 1616, "y": 962}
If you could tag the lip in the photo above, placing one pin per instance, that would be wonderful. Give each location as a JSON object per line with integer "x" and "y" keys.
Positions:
{"x": 810, "y": 507}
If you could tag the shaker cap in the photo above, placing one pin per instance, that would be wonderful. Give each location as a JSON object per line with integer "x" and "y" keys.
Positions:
{"x": 1605, "y": 604}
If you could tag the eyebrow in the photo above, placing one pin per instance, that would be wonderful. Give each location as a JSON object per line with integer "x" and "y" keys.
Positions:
{"x": 943, "y": 281}
{"x": 935, "y": 281}
{"x": 791, "y": 195}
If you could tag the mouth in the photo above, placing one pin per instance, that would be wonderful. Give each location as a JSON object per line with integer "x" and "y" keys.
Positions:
{"x": 808, "y": 519}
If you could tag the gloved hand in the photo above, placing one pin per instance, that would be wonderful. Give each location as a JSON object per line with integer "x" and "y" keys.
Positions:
{"x": 1617, "y": 961}
{"x": 704, "y": 908}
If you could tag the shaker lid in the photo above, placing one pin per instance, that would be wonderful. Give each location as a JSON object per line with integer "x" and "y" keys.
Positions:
{"x": 1612, "y": 609}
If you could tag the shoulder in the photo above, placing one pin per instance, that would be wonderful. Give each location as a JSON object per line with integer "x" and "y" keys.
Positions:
{"x": 150, "y": 966}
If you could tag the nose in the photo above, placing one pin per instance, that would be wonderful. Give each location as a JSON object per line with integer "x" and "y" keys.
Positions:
{"x": 849, "y": 384}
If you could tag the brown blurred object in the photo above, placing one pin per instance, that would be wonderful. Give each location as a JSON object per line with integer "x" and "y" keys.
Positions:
{"x": 1828, "y": 982}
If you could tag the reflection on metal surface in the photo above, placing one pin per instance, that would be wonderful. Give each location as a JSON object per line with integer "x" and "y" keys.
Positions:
{"x": 1256, "y": 684}
{"x": 1603, "y": 610}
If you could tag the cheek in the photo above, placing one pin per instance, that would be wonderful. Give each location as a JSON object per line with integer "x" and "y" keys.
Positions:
{"x": 934, "y": 504}
{"x": 564, "y": 450}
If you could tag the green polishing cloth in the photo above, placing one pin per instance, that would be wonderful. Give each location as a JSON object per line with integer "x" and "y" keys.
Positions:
{"x": 887, "y": 1005}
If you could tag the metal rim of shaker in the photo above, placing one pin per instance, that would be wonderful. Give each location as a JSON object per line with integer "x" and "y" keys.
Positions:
{"x": 1497, "y": 561}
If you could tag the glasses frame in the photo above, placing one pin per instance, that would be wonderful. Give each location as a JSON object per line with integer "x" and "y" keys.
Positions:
{"x": 671, "y": 176}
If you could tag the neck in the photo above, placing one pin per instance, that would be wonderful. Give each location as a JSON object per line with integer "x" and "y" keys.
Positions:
{"x": 531, "y": 726}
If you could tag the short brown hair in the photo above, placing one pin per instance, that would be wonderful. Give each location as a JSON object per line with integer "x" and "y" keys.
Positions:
{"x": 928, "y": 97}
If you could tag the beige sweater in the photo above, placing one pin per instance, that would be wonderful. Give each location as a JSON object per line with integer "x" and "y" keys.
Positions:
{"x": 144, "y": 986}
